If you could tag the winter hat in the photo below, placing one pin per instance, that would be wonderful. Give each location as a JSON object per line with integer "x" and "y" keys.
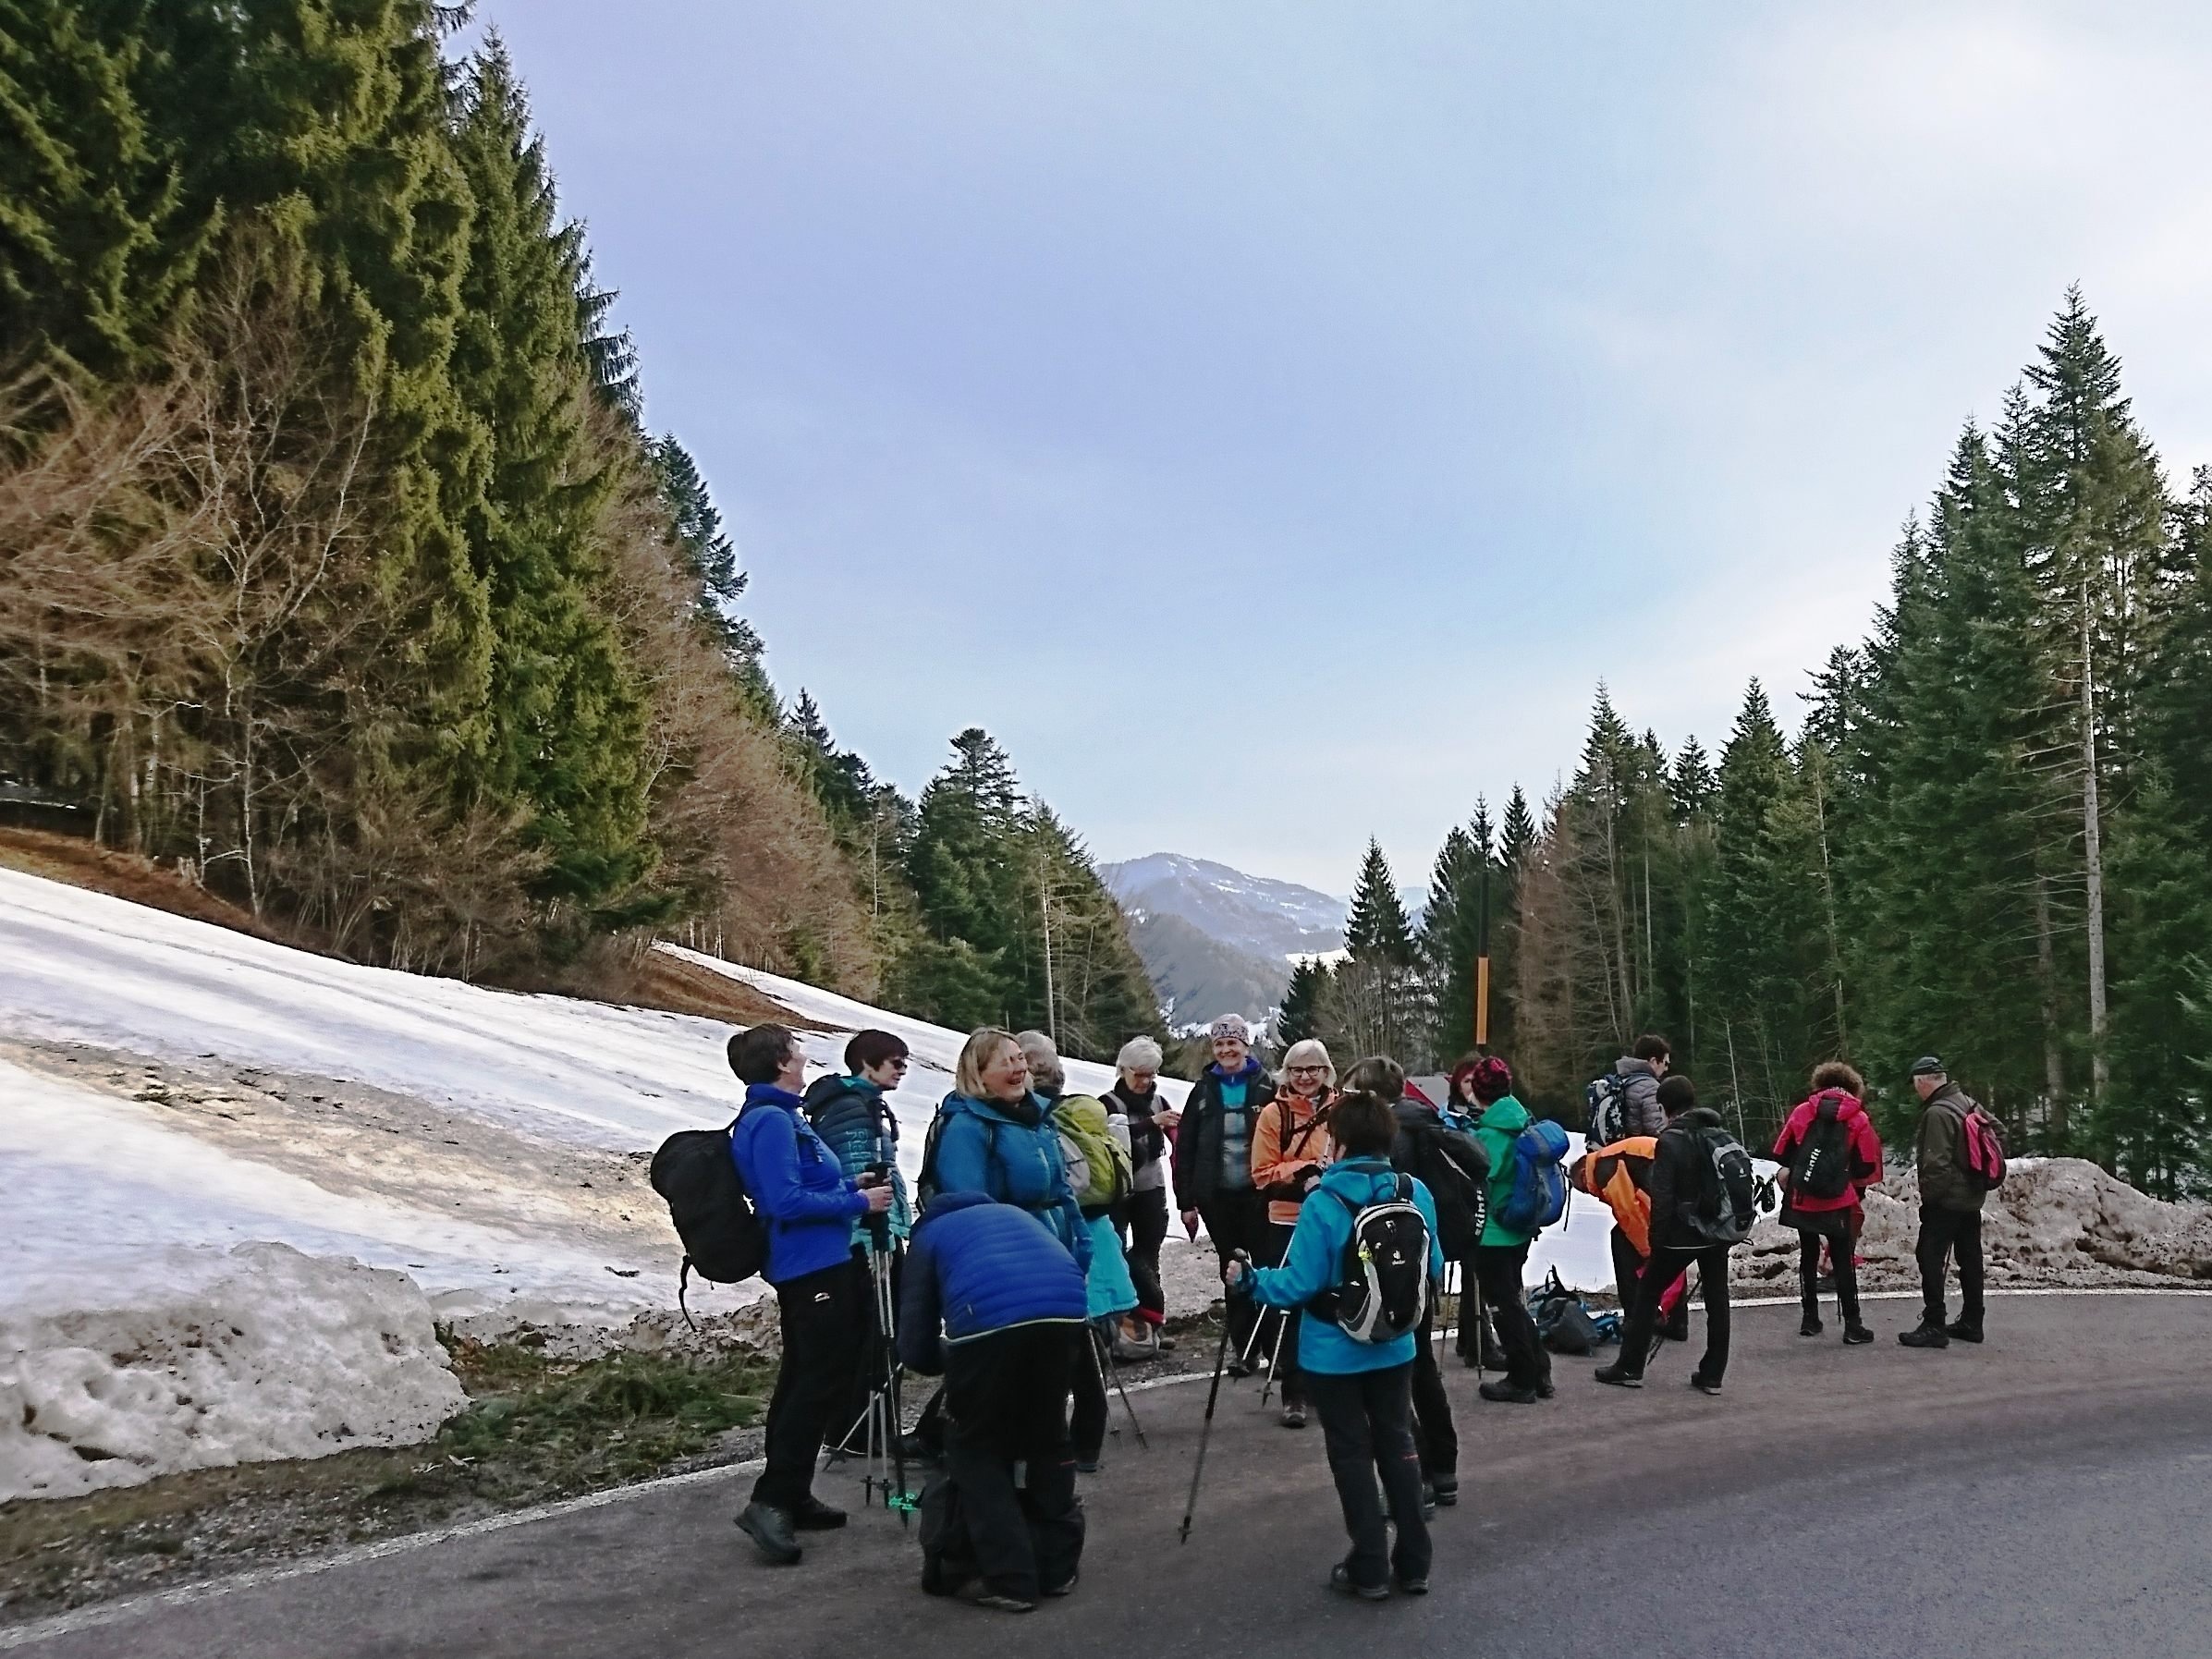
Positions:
{"x": 1928, "y": 1066}
{"x": 1493, "y": 1079}
{"x": 1229, "y": 1025}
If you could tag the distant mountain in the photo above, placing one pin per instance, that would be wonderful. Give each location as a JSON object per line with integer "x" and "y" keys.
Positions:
{"x": 1216, "y": 940}
{"x": 1200, "y": 978}
{"x": 1263, "y": 918}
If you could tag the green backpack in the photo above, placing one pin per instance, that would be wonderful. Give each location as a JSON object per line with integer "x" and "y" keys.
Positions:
{"x": 1092, "y": 1155}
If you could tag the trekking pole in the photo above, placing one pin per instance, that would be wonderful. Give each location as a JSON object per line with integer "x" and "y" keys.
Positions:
{"x": 1251, "y": 1340}
{"x": 1205, "y": 1431}
{"x": 1275, "y": 1360}
{"x": 1101, "y": 1348}
{"x": 1481, "y": 1330}
{"x": 886, "y": 1326}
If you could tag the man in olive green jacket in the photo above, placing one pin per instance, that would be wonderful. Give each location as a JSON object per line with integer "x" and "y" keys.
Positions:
{"x": 1951, "y": 1210}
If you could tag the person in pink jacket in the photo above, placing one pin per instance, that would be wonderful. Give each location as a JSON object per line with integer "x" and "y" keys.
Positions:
{"x": 1830, "y": 1156}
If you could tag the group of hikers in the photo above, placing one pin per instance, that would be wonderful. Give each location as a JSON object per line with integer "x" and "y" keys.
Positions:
{"x": 1024, "y": 1267}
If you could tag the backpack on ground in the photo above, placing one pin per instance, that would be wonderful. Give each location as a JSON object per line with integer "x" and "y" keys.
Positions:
{"x": 1456, "y": 1171}
{"x": 1608, "y": 1100}
{"x": 696, "y": 1172}
{"x": 1564, "y": 1323}
{"x": 1726, "y": 1202}
{"x": 1098, "y": 1168}
{"x": 1982, "y": 1150}
{"x": 1382, "y": 1288}
{"x": 1538, "y": 1195}
{"x": 1820, "y": 1167}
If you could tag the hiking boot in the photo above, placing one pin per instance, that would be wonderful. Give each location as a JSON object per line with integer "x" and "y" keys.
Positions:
{"x": 1507, "y": 1393}
{"x": 1854, "y": 1334}
{"x": 1294, "y": 1416}
{"x": 814, "y": 1515}
{"x": 1924, "y": 1335}
{"x": 1428, "y": 1501}
{"x": 1066, "y": 1588}
{"x": 1961, "y": 1330}
{"x": 771, "y": 1532}
{"x": 1618, "y": 1375}
{"x": 1161, "y": 1340}
{"x": 1341, "y": 1581}
{"x": 1240, "y": 1366}
{"x": 1413, "y": 1586}
{"x": 1703, "y": 1383}
{"x": 1086, "y": 1466}
{"x": 977, "y": 1593}
{"x": 1544, "y": 1389}
{"x": 1810, "y": 1325}
{"x": 1446, "y": 1489}
{"x": 1129, "y": 1350}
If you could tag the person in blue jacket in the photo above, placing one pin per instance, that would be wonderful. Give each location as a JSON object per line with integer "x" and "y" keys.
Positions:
{"x": 852, "y": 1114}
{"x": 995, "y": 1302}
{"x": 996, "y": 1137}
{"x": 1362, "y": 1391}
{"x": 807, "y": 1205}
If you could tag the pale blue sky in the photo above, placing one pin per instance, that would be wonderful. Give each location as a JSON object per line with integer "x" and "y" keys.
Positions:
{"x": 1271, "y": 421}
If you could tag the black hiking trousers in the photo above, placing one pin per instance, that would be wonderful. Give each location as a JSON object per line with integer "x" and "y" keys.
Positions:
{"x": 827, "y": 1320}
{"x": 1236, "y": 1220}
{"x": 1498, "y": 1269}
{"x": 1945, "y": 1234}
{"x": 1367, "y": 1424}
{"x": 1666, "y": 1266}
{"x": 1833, "y": 1229}
{"x": 1087, "y": 1421}
{"x": 1434, "y": 1435}
{"x": 1145, "y": 1222}
{"x": 1008, "y": 1458}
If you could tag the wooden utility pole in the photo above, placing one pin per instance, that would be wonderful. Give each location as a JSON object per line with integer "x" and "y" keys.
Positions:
{"x": 1482, "y": 959}
{"x": 2093, "y": 855}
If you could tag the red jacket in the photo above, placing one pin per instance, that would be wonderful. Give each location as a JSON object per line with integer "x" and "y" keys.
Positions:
{"x": 1865, "y": 1151}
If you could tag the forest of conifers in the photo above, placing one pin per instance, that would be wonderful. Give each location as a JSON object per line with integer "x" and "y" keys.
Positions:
{"x": 338, "y": 564}
{"x": 1991, "y": 838}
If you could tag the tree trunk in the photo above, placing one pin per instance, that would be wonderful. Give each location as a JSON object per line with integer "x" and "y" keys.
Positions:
{"x": 2093, "y": 857}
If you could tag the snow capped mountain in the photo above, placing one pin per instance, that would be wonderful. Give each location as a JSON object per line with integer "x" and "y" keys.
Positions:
{"x": 1276, "y": 920}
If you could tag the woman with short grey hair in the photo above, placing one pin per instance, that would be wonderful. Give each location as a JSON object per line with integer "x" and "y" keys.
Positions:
{"x": 1135, "y": 1098}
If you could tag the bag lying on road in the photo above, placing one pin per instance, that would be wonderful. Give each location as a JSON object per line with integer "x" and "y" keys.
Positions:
{"x": 1564, "y": 1323}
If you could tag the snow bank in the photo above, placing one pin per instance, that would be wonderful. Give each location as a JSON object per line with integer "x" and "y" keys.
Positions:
{"x": 2055, "y": 1222}
{"x": 196, "y": 1358}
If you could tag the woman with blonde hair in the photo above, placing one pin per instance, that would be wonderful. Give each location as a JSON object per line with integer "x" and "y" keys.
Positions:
{"x": 1289, "y": 1150}
{"x": 994, "y": 1135}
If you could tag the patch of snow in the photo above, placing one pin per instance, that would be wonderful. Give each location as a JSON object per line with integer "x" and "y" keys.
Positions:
{"x": 201, "y": 1358}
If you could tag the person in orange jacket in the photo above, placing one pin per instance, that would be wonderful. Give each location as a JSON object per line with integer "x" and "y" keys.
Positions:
{"x": 1289, "y": 1150}
{"x": 1619, "y": 1175}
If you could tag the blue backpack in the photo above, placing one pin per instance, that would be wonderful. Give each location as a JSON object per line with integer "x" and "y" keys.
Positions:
{"x": 1538, "y": 1195}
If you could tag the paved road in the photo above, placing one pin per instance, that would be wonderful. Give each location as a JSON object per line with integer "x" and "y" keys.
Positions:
{"x": 2047, "y": 1494}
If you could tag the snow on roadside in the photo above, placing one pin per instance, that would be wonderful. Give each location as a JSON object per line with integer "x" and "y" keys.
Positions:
{"x": 182, "y": 1358}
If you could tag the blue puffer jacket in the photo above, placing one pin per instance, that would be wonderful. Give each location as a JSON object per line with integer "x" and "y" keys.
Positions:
{"x": 1315, "y": 1263}
{"x": 857, "y": 1125}
{"x": 1013, "y": 1155}
{"x": 975, "y": 1267}
{"x": 795, "y": 1185}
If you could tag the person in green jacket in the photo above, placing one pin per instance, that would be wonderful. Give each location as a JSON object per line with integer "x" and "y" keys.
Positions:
{"x": 1502, "y": 1256}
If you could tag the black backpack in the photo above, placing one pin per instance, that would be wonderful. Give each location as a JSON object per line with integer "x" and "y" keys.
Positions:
{"x": 1821, "y": 1166}
{"x": 723, "y": 1238}
{"x": 1562, "y": 1318}
{"x": 1606, "y": 1099}
{"x": 1456, "y": 1171}
{"x": 925, "y": 1181}
{"x": 1725, "y": 1204}
{"x": 1382, "y": 1288}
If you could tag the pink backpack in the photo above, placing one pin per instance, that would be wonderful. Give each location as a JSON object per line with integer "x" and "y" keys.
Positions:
{"x": 1983, "y": 1153}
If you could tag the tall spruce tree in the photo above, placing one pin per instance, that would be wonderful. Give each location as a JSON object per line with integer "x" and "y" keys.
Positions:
{"x": 1300, "y": 1015}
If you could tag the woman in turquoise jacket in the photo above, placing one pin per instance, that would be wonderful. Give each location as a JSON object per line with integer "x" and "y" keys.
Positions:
{"x": 1501, "y": 1260}
{"x": 1362, "y": 1391}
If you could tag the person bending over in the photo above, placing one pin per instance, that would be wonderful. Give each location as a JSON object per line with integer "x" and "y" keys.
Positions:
{"x": 994, "y": 1303}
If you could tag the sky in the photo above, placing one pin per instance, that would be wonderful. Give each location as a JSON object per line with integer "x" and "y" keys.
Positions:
{"x": 1273, "y": 421}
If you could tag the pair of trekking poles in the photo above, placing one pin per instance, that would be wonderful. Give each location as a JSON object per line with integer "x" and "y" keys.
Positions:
{"x": 1205, "y": 1433}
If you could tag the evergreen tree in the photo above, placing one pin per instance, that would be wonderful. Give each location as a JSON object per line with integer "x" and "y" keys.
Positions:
{"x": 1377, "y": 930}
{"x": 712, "y": 560}
{"x": 1300, "y": 1015}
{"x": 97, "y": 245}
{"x": 1517, "y": 831}
{"x": 567, "y": 720}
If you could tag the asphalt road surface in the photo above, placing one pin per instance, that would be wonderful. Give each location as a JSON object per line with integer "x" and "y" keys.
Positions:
{"x": 2049, "y": 1493}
